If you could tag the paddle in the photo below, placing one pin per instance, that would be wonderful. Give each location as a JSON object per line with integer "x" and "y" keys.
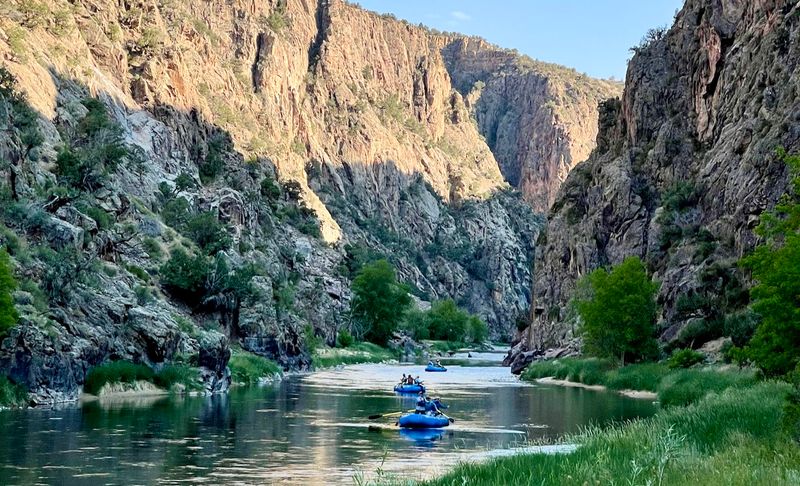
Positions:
{"x": 392, "y": 414}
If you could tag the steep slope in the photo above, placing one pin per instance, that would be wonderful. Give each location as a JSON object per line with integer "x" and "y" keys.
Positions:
{"x": 684, "y": 165}
{"x": 271, "y": 143}
{"x": 539, "y": 119}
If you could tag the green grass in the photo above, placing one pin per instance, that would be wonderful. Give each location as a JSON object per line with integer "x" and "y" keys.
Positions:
{"x": 116, "y": 372}
{"x": 128, "y": 372}
{"x": 356, "y": 353}
{"x": 12, "y": 395}
{"x": 178, "y": 374}
{"x": 674, "y": 386}
{"x": 590, "y": 371}
{"x": 249, "y": 368}
{"x": 729, "y": 438}
{"x": 645, "y": 376}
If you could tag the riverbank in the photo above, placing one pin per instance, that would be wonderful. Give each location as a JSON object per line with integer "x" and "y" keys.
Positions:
{"x": 357, "y": 353}
{"x": 718, "y": 425}
{"x": 734, "y": 437}
{"x": 638, "y": 394}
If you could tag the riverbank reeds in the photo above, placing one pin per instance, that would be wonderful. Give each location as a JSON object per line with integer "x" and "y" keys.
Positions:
{"x": 11, "y": 394}
{"x": 732, "y": 437}
{"x": 249, "y": 368}
{"x": 357, "y": 353}
{"x": 126, "y": 372}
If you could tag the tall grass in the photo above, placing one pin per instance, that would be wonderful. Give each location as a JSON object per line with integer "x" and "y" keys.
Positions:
{"x": 357, "y": 353}
{"x": 674, "y": 386}
{"x": 12, "y": 394}
{"x": 729, "y": 438}
{"x": 128, "y": 372}
{"x": 590, "y": 371}
{"x": 250, "y": 368}
{"x": 116, "y": 372}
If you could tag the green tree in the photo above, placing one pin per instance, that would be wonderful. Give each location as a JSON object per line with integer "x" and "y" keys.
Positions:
{"x": 775, "y": 346}
{"x": 379, "y": 301}
{"x": 185, "y": 275}
{"x": 618, "y": 312}
{"x": 8, "y": 314}
{"x": 446, "y": 321}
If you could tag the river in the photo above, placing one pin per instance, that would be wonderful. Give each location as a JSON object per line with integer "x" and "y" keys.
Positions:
{"x": 308, "y": 429}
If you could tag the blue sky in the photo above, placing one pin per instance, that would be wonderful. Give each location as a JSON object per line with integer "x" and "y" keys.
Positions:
{"x": 592, "y": 36}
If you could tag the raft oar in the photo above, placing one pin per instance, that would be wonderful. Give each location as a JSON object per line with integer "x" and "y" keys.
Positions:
{"x": 392, "y": 414}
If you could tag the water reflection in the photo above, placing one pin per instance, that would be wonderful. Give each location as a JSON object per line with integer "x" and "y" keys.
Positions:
{"x": 310, "y": 429}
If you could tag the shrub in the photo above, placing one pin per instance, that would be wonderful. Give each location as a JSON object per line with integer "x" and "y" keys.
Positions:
{"x": 176, "y": 213}
{"x": 100, "y": 216}
{"x": 143, "y": 295}
{"x": 214, "y": 162}
{"x": 685, "y": 358}
{"x": 344, "y": 339}
{"x": 138, "y": 272}
{"x": 185, "y": 275}
{"x": 270, "y": 189}
{"x": 209, "y": 234}
{"x": 310, "y": 338}
{"x": 116, "y": 372}
{"x": 12, "y": 394}
{"x": 415, "y": 324}
{"x": 153, "y": 248}
{"x": 250, "y": 368}
{"x": 8, "y": 313}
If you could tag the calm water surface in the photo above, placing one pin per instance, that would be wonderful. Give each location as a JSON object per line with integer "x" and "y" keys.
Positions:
{"x": 309, "y": 429}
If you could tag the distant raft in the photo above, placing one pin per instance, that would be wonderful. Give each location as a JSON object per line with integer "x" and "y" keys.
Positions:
{"x": 433, "y": 367}
{"x": 415, "y": 388}
{"x": 423, "y": 421}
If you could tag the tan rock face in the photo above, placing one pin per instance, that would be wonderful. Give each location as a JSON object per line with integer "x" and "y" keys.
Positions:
{"x": 705, "y": 106}
{"x": 382, "y": 123}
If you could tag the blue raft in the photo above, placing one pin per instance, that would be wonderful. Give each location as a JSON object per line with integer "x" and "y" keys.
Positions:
{"x": 422, "y": 421}
{"x": 409, "y": 388}
{"x": 432, "y": 367}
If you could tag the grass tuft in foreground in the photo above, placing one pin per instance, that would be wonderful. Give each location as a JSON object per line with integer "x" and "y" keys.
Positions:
{"x": 250, "y": 368}
{"x": 734, "y": 437}
{"x": 127, "y": 372}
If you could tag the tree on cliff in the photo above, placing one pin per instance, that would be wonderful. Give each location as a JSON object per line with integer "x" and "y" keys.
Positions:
{"x": 379, "y": 302}
{"x": 8, "y": 314}
{"x": 775, "y": 346}
{"x": 618, "y": 312}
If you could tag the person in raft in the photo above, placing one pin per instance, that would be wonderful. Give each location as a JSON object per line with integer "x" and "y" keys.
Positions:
{"x": 421, "y": 405}
{"x": 403, "y": 379}
{"x": 417, "y": 381}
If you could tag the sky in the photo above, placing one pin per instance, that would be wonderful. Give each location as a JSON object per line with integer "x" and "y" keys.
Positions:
{"x": 592, "y": 36}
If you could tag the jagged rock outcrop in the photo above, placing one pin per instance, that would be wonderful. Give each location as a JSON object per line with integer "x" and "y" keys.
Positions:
{"x": 685, "y": 163}
{"x": 539, "y": 119}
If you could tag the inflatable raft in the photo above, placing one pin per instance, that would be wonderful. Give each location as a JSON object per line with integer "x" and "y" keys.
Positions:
{"x": 422, "y": 421}
{"x": 432, "y": 367}
{"x": 409, "y": 388}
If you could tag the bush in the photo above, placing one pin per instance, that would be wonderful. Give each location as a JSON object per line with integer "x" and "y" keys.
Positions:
{"x": 143, "y": 295}
{"x": 12, "y": 394}
{"x": 100, "y": 216}
{"x": 250, "y": 368}
{"x": 209, "y": 234}
{"x": 214, "y": 162}
{"x": 153, "y": 248}
{"x": 8, "y": 313}
{"x": 185, "y": 275}
{"x": 344, "y": 339}
{"x": 685, "y": 358}
{"x": 176, "y": 213}
{"x": 116, "y": 372}
{"x": 415, "y": 324}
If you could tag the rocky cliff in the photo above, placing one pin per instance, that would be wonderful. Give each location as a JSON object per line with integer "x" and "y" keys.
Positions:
{"x": 684, "y": 165}
{"x": 243, "y": 157}
{"x": 539, "y": 119}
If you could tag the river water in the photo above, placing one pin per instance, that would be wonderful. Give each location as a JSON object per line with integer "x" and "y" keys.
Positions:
{"x": 309, "y": 429}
